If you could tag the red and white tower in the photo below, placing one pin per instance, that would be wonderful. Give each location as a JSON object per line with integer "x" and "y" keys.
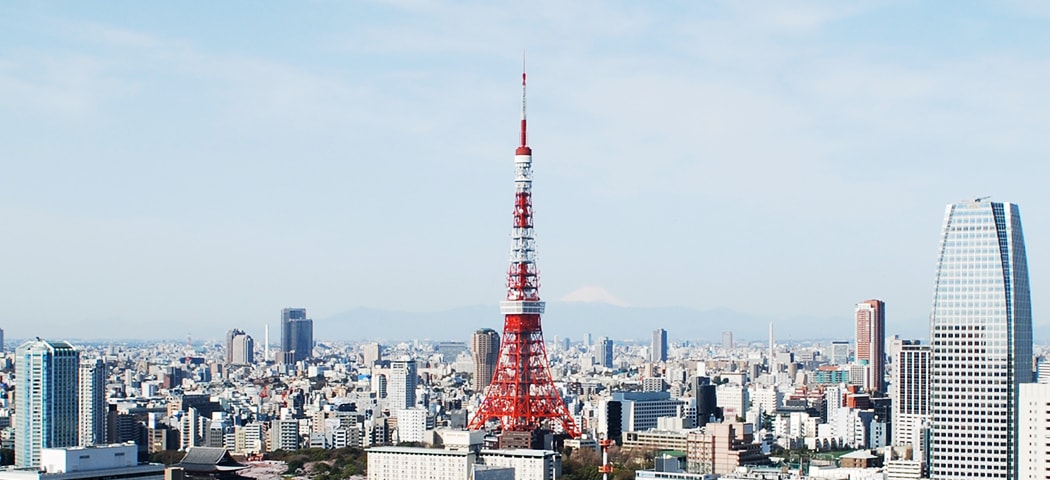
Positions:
{"x": 522, "y": 396}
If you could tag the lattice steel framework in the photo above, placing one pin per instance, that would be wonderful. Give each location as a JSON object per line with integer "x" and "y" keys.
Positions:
{"x": 522, "y": 395}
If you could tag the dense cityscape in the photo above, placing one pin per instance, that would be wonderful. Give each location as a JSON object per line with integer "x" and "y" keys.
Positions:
{"x": 752, "y": 180}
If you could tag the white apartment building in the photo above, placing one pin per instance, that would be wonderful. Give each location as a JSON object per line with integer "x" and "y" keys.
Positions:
{"x": 284, "y": 435}
{"x": 1033, "y": 449}
{"x": 92, "y": 420}
{"x": 732, "y": 399}
{"x": 910, "y": 391}
{"x": 410, "y": 463}
{"x": 462, "y": 459}
{"x": 765, "y": 399}
{"x": 527, "y": 464}
{"x": 248, "y": 439}
{"x": 412, "y": 424}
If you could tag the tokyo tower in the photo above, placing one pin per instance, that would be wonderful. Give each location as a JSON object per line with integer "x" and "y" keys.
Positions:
{"x": 522, "y": 396}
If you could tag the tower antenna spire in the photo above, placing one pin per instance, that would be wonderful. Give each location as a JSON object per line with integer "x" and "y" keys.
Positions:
{"x": 524, "y": 136}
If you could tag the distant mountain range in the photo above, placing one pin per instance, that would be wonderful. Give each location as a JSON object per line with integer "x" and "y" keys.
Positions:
{"x": 576, "y": 319}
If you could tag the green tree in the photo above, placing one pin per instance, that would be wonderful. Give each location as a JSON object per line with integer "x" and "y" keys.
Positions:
{"x": 767, "y": 422}
{"x": 167, "y": 457}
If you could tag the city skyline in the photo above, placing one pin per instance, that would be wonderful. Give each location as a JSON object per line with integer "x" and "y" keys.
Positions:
{"x": 170, "y": 168}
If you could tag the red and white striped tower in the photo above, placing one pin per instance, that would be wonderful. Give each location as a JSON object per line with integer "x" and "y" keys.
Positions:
{"x": 522, "y": 396}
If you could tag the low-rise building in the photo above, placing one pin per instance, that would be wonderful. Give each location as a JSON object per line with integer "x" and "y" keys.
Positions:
{"x": 722, "y": 447}
{"x": 655, "y": 439}
{"x": 410, "y": 463}
{"x": 118, "y": 460}
{"x": 461, "y": 461}
{"x": 527, "y": 464}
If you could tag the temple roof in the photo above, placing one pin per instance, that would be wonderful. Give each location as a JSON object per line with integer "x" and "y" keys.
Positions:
{"x": 209, "y": 460}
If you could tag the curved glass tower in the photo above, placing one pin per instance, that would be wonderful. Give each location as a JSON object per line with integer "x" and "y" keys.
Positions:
{"x": 981, "y": 340}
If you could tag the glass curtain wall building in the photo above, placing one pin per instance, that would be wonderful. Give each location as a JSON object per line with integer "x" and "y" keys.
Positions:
{"x": 46, "y": 391}
{"x": 297, "y": 335}
{"x": 981, "y": 341}
{"x": 658, "y": 351}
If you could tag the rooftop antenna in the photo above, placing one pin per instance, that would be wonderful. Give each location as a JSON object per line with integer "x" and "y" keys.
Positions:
{"x": 524, "y": 140}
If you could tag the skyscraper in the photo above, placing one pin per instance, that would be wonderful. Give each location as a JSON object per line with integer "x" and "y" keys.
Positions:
{"x": 871, "y": 342}
{"x": 727, "y": 340}
{"x": 910, "y": 394}
{"x": 485, "y": 347}
{"x": 658, "y": 352}
{"x": 605, "y": 352}
{"x": 297, "y": 335}
{"x": 229, "y": 343}
{"x": 92, "y": 412}
{"x": 46, "y": 379}
{"x": 401, "y": 388}
{"x": 981, "y": 340}
{"x": 240, "y": 348}
{"x": 371, "y": 353}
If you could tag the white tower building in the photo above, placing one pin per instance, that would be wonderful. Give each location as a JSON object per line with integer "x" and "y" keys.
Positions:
{"x": 240, "y": 349}
{"x": 981, "y": 339}
{"x": 92, "y": 429}
{"x": 910, "y": 394}
{"x": 401, "y": 388}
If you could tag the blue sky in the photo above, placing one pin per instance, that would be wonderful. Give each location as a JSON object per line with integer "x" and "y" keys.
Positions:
{"x": 167, "y": 167}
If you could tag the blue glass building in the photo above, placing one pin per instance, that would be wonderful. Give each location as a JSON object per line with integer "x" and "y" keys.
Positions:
{"x": 46, "y": 394}
{"x": 981, "y": 340}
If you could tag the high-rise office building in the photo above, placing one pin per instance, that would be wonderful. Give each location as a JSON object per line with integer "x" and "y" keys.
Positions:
{"x": 981, "y": 339}
{"x": 484, "y": 346}
{"x": 910, "y": 394}
{"x": 871, "y": 342}
{"x": 92, "y": 416}
{"x": 240, "y": 348}
{"x": 401, "y": 386}
{"x": 605, "y": 352}
{"x": 46, "y": 391}
{"x": 297, "y": 335}
{"x": 658, "y": 352}
{"x": 371, "y": 353}
{"x": 727, "y": 340}
{"x": 229, "y": 343}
